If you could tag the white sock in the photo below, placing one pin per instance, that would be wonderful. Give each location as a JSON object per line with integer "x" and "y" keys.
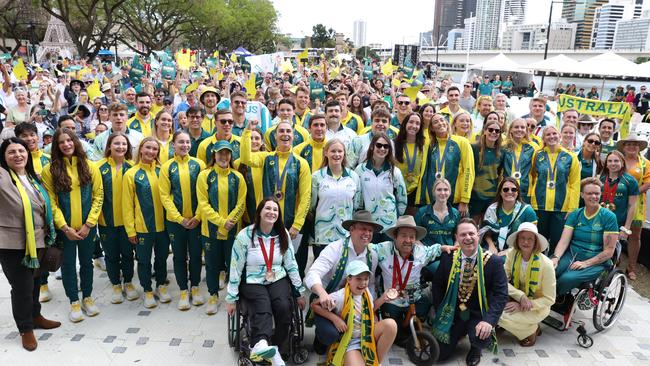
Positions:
{"x": 277, "y": 360}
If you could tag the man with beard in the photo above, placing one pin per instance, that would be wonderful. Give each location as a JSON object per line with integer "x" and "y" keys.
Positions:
{"x": 143, "y": 120}
{"x": 336, "y": 129}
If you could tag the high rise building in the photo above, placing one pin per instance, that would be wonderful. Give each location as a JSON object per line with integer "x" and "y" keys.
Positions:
{"x": 606, "y": 17}
{"x": 514, "y": 11}
{"x": 581, "y": 13}
{"x": 468, "y": 36}
{"x": 448, "y": 15}
{"x": 633, "y": 34}
{"x": 488, "y": 16}
{"x": 359, "y": 33}
{"x": 533, "y": 36}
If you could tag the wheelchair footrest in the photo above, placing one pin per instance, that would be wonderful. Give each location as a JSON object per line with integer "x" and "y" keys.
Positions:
{"x": 555, "y": 323}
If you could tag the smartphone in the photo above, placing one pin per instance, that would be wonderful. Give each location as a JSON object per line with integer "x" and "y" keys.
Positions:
{"x": 42, "y": 112}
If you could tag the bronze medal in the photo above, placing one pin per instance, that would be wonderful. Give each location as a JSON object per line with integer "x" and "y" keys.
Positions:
{"x": 392, "y": 294}
{"x": 278, "y": 195}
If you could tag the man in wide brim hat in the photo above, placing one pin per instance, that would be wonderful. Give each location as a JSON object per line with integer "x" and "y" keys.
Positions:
{"x": 406, "y": 221}
{"x": 364, "y": 217}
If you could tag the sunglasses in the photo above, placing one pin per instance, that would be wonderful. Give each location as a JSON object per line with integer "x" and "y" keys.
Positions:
{"x": 103, "y": 109}
{"x": 226, "y": 121}
{"x": 403, "y": 102}
{"x": 593, "y": 142}
{"x": 239, "y": 102}
{"x": 379, "y": 145}
{"x": 493, "y": 130}
{"x": 467, "y": 86}
{"x": 508, "y": 190}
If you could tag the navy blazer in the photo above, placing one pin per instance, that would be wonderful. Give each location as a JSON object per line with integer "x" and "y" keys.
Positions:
{"x": 496, "y": 288}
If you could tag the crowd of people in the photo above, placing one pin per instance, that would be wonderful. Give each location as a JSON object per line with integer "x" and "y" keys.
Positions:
{"x": 498, "y": 213}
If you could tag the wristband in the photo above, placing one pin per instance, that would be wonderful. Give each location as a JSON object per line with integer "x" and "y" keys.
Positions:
{"x": 625, "y": 230}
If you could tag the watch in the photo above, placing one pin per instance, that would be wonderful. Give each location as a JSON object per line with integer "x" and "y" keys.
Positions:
{"x": 625, "y": 230}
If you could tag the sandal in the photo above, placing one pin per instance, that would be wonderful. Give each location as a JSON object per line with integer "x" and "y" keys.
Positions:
{"x": 531, "y": 339}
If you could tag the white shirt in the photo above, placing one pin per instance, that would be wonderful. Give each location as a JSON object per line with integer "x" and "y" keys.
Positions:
{"x": 344, "y": 134}
{"x": 323, "y": 269}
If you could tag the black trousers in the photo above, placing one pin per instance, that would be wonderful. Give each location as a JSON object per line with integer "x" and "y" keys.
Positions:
{"x": 25, "y": 288}
{"x": 458, "y": 331}
{"x": 266, "y": 302}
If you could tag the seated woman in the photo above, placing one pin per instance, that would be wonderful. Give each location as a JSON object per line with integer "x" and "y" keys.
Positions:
{"x": 264, "y": 251}
{"x": 504, "y": 216}
{"x": 531, "y": 284}
{"x": 588, "y": 240}
{"x": 353, "y": 316}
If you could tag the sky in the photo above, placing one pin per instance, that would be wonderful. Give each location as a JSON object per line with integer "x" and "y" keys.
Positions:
{"x": 387, "y": 22}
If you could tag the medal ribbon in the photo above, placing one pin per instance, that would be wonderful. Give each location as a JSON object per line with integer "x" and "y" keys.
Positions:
{"x": 609, "y": 192}
{"x": 551, "y": 172}
{"x": 279, "y": 178}
{"x": 516, "y": 162}
{"x": 398, "y": 283}
{"x": 440, "y": 159}
{"x": 410, "y": 163}
{"x": 268, "y": 258}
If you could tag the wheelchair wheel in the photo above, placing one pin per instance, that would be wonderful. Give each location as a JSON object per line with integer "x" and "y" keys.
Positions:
{"x": 300, "y": 355}
{"x": 585, "y": 341}
{"x": 232, "y": 330}
{"x": 428, "y": 352}
{"x": 611, "y": 298}
{"x": 244, "y": 361}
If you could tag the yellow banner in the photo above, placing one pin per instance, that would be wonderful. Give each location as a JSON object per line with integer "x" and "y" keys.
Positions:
{"x": 619, "y": 110}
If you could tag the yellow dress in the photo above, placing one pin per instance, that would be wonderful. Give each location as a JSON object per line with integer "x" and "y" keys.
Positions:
{"x": 522, "y": 324}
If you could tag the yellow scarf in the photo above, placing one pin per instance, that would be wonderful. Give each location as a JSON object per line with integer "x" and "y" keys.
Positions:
{"x": 532, "y": 274}
{"x": 31, "y": 259}
{"x": 337, "y": 350}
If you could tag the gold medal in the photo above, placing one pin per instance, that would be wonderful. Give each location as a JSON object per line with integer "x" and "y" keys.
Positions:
{"x": 410, "y": 177}
{"x": 438, "y": 175}
{"x": 269, "y": 276}
{"x": 462, "y": 306}
{"x": 551, "y": 184}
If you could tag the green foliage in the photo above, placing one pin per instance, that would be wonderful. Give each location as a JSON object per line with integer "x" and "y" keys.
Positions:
{"x": 640, "y": 60}
{"x": 364, "y": 52}
{"x": 323, "y": 37}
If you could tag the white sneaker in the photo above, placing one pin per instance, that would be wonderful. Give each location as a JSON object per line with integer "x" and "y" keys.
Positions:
{"x": 88, "y": 305}
{"x": 213, "y": 303}
{"x": 184, "y": 301}
{"x": 222, "y": 280}
{"x": 149, "y": 300}
{"x": 262, "y": 351}
{"x": 197, "y": 298}
{"x": 75, "y": 312}
{"x": 45, "y": 295}
{"x": 100, "y": 263}
{"x": 277, "y": 360}
{"x": 117, "y": 297}
{"x": 163, "y": 294}
{"x": 131, "y": 292}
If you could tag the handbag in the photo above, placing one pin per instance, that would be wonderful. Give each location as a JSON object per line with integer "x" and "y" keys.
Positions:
{"x": 52, "y": 259}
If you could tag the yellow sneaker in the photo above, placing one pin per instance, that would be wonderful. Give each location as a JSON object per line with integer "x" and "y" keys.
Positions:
{"x": 75, "y": 312}
{"x": 184, "y": 301}
{"x": 117, "y": 297}
{"x": 213, "y": 302}
{"x": 88, "y": 305}
{"x": 197, "y": 298}
{"x": 45, "y": 295}
{"x": 149, "y": 300}
{"x": 131, "y": 292}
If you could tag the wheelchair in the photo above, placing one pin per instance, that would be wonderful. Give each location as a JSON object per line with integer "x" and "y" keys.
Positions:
{"x": 604, "y": 296}
{"x": 239, "y": 334}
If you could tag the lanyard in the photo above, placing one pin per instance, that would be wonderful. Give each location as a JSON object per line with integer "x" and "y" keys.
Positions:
{"x": 268, "y": 258}
{"x": 398, "y": 283}
{"x": 440, "y": 159}
{"x": 279, "y": 178}
{"x": 552, "y": 169}
{"x": 410, "y": 163}
{"x": 517, "y": 160}
{"x": 609, "y": 192}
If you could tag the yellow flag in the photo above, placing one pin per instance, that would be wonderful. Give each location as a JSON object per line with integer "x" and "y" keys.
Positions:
{"x": 192, "y": 87}
{"x": 286, "y": 66}
{"x": 335, "y": 72}
{"x": 302, "y": 55}
{"x": 293, "y": 89}
{"x": 250, "y": 86}
{"x": 219, "y": 76}
{"x": 215, "y": 54}
{"x": 233, "y": 57}
{"x": 94, "y": 90}
{"x": 412, "y": 91}
{"x": 423, "y": 101}
{"x": 395, "y": 82}
{"x": 20, "y": 71}
{"x": 387, "y": 68}
{"x": 183, "y": 60}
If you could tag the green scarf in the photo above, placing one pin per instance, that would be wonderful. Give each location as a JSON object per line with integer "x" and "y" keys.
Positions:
{"x": 532, "y": 274}
{"x": 31, "y": 258}
{"x": 446, "y": 312}
{"x": 337, "y": 350}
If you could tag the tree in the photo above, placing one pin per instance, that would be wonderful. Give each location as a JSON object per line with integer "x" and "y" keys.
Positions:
{"x": 20, "y": 20}
{"x": 323, "y": 37}
{"x": 364, "y": 52}
{"x": 90, "y": 23}
{"x": 154, "y": 24}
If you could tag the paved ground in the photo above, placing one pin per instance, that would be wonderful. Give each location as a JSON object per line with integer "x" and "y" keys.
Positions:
{"x": 128, "y": 334}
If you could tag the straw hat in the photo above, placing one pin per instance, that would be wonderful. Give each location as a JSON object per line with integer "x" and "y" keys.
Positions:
{"x": 632, "y": 138}
{"x": 407, "y": 221}
{"x": 530, "y": 227}
{"x": 364, "y": 217}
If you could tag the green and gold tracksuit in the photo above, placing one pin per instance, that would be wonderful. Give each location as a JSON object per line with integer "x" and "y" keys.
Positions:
{"x": 300, "y": 135}
{"x": 304, "y": 119}
{"x": 166, "y": 150}
{"x": 206, "y": 153}
{"x": 295, "y": 188}
{"x": 118, "y": 250}
{"x": 208, "y": 124}
{"x": 221, "y": 197}
{"x": 353, "y": 122}
{"x": 81, "y": 206}
{"x": 177, "y": 185}
{"x": 519, "y": 158}
{"x": 40, "y": 159}
{"x": 411, "y": 166}
{"x": 144, "y": 219}
{"x": 488, "y": 173}
{"x": 138, "y": 124}
{"x": 552, "y": 201}
{"x": 456, "y": 165}
{"x": 312, "y": 152}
